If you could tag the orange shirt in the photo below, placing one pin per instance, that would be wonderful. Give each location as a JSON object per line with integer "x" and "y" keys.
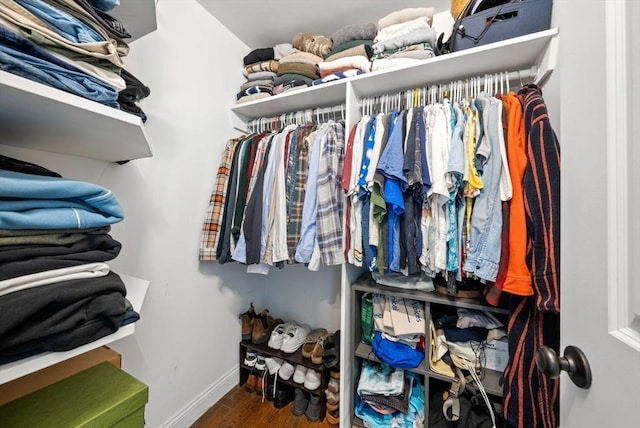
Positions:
{"x": 518, "y": 277}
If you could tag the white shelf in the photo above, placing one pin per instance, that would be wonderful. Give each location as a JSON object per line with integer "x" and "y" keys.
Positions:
{"x": 514, "y": 54}
{"x": 40, "y": 117}
{"x": 137, "y": 16}
{"x": 136, "y": 292}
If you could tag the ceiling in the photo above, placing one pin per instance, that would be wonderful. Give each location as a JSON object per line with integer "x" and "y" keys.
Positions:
{"x": 265, "y": 23}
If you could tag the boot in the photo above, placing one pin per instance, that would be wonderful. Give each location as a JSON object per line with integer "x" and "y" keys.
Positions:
{"x": 247, "y": 322}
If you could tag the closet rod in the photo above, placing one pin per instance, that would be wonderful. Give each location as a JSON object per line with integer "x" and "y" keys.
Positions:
{"x": 296, "y": 118}
{"x": 520, "y": 76}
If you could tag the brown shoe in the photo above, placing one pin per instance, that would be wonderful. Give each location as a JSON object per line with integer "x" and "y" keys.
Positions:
{"x": 318, "y": 350}
{"x": 260, "y": 385}
{"x": 262, "y": 326}
{"x": 247, "y": 322}
{"x": 333, "y": 417}
{"x": 250, "y": 385}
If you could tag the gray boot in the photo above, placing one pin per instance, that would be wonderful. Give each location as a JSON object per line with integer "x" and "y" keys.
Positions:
{"x": 300, "y": 402}
{"x": 314, "y": 409}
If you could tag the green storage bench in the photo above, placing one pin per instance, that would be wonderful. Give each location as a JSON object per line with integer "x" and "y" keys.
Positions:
{"x": 102, "y": 396}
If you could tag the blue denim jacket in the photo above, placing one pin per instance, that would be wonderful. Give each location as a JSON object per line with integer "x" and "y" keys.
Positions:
{"x": 486, "y": 219}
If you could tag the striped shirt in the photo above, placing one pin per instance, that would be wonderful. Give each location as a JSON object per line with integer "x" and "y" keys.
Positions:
{"x": 530, "y": 398}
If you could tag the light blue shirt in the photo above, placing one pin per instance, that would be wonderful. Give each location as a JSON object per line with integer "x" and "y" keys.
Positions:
{"x": 30, "y": 201}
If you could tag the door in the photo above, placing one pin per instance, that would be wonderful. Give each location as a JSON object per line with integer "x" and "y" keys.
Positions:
{"x": 599, "y": 89}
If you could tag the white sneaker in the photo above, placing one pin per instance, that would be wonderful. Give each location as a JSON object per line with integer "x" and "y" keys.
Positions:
{"x": 278, "y": 333}
{"x": 299, "y": 374}
{"x": 312, "y": 379}
{"x": 294, "y": 338}
{"x": 286, "y": 370}
{"x": 273, "y": 364}
{"x": 250, "y": 359}
{"x": 260, "y": 362}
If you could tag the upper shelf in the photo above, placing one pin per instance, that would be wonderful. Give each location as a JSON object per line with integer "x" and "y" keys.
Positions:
{"x": 514, "y": 54}
{"x": 40, "y": 117}
{"x": 136, "y": 292}
{"x": 138, "y": 17}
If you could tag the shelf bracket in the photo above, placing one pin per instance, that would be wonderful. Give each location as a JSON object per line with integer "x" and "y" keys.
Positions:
{"x": 547, "y": 63}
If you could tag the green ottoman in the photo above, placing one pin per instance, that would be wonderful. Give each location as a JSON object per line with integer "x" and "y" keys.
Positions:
{"x": 102, "y": 396}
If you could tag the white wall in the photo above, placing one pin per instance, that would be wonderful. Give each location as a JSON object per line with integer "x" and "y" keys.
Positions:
{"x": 186, "y": 343}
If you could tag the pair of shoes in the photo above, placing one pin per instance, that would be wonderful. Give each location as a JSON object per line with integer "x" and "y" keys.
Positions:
{"x": 278, "y": 333}
{"x": 263, "y": 324}
{"x": 255, "y": 360}
{"x": 294, "y": 338}
{"x": 311, "y": 341}
{"x": 250, "y": 358}
{"x": 247, "y": 322}
{"x": 331, "y": 353}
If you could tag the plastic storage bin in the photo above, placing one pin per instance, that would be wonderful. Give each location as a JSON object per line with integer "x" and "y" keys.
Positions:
{"x": 500, "y": 23}
{"x": 103, "y": 396}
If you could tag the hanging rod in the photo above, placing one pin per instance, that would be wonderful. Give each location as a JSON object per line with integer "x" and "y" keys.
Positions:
{"x": 299, "y": 117}
{"x": 490, "y": 82}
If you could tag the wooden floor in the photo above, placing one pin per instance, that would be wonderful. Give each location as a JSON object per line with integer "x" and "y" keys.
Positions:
{"x": 241, "y": 409}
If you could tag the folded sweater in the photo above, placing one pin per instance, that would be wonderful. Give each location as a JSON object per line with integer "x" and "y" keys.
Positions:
{"x": 405, "y": 15}
{"x": 354, "y": 32}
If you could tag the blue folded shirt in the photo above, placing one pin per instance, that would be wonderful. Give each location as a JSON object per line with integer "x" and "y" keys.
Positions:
{"x": 39, "y": 202}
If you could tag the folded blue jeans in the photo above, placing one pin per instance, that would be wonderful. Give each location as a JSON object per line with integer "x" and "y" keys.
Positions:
{"x": 24, "y": 58}
{"x": 68, "y": 26}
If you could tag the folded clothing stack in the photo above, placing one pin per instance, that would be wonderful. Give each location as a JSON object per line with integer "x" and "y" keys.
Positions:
{"x": 260, "y": 69}
{"x": 297, "y": 70}
{"x": 404, "y": 36}
{"x": 389, "y": 396}
{"x": 57, "y": 291}
{"x": 74, "y": 46}
{"x": 351, "y": 53}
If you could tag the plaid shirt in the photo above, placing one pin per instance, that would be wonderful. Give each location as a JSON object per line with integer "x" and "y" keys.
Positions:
{"x": 330, "y": 196}
{"x": 298, "y": 176}
{"x": 213, "y": 221}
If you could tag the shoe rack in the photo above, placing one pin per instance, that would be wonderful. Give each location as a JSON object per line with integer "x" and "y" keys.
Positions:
{"x": 294, "y": 358}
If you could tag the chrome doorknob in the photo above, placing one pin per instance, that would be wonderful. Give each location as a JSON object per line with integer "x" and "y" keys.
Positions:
{"x": 574, "y": 362}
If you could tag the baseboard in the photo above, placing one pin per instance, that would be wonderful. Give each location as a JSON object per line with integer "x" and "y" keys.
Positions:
{"x": 199, "y": 405}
